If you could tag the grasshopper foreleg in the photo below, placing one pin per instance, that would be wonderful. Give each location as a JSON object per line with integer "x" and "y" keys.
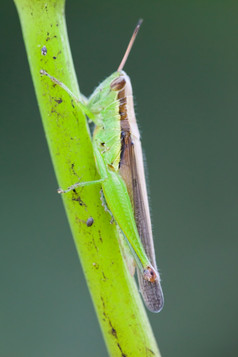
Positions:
{"x": 80, "y": 103}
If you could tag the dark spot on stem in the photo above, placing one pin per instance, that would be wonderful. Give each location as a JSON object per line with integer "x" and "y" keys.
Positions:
{"x": 44, "y": 51}
{"x": 90, "y": 221}
{"x": 58, "y": 101}
{"x": 78, "y": 199}
{"x": 152, "y": 352}
{"x": 119, "y": 346}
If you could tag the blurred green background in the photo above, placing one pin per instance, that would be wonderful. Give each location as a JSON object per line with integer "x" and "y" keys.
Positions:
{"x": 184, "y": 71}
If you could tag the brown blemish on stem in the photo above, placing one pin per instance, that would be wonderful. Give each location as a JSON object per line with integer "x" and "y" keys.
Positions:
{"x": 112, "y": 329}
{"x": 59, "y": 100}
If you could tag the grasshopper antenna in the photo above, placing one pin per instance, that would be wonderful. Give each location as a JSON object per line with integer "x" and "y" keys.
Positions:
{"x": 132, "y": 40}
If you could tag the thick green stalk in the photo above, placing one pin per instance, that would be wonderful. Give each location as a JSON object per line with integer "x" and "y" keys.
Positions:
{"x": 120, "y": 311}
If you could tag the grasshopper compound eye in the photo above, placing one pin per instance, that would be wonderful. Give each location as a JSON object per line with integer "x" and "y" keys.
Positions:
{"x": 118, "y": 83}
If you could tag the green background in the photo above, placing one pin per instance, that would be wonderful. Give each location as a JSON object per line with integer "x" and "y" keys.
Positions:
{"x": 184, "y": 71}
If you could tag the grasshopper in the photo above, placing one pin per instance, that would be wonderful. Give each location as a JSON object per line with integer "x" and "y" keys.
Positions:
{"x": 119, "y": 161}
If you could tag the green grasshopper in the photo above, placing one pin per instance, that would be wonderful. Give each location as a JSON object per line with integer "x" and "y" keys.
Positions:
{"x": 119, "y": 162}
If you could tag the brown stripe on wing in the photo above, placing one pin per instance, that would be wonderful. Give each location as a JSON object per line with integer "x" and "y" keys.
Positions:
{"x": 132, "y": 171}
{"x": 125, "y": 160}
{"x": 131, "y": 176}
{"x": 152, "y": 293}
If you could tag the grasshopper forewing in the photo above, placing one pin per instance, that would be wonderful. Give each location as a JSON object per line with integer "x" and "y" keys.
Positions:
{"x": 132, "y": 171}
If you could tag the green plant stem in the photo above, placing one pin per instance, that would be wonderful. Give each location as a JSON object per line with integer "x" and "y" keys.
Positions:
{"x": 121, "y": 314}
